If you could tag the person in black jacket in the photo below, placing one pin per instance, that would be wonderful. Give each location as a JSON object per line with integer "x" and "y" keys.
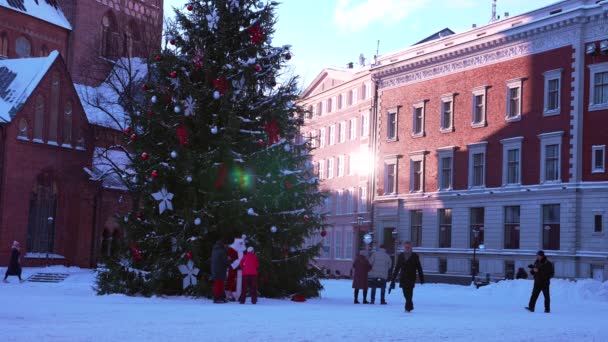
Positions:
{"x": 408, "y": 263}
{"x": 543, "y": 271}
{"x": 219, "y": 267}
{"x": 14, "y": 265}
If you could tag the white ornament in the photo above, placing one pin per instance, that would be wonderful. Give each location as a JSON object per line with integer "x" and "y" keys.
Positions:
{"x": 212, "y": 20}
{"x": 287, "y": 147}
{"x": 165, "y": 198}
{"x": 251, "y": 212}
{"x": 126, "y": 219}
{"x": 289, "y": 104}
{"x": 190, "y": 272}
{"x": 197, "y": 221}
{"x": 216, "y": 95}
{"x": 214, "y": 130}
{"x": 260, "y": 5}
{"x": 154, "y": 99}
{"x": 273, "y": 229}
{"x": 173, "y": 154}
{"x": 177, "y": 109}
{"x": 189, "y": 179}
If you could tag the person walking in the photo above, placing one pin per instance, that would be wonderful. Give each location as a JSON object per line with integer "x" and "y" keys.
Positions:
{"x": 543, "y": 271}
{"x": 14, "y": 264}
{"x": 361, "y": 267}
{"x": 249, "y": 263}
{"x": 380, "y": 272}
{"x": 219, "y": 267}
{"x": 408, "y": 263}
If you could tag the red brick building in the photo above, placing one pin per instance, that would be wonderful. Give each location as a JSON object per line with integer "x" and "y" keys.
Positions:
{"x": 54, "y": 197}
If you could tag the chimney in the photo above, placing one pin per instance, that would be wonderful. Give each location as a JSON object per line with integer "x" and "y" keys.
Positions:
{"x": 349, "y": 65}
{"x": 506, "y": 15}
{"x": 474, "y": 25}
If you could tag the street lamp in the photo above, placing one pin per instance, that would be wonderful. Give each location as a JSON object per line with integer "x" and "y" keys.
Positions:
{"x": 475, "y": 232}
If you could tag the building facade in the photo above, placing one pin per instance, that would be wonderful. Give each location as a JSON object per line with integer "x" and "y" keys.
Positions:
{"x": 53, "y": 198}
{"x": 493, "y": 138}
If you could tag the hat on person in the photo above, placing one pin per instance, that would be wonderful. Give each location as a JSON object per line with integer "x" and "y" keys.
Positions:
{"x": 541, "y": 253}
{"x": 249, "y": 249}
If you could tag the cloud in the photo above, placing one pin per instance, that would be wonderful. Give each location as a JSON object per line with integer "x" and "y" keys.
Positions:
{"x": 356, "y": 15}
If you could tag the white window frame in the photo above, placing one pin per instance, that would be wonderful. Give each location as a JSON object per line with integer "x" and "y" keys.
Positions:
{"x": 595, "y": 148}
{"x": 512, "y": 84}
{"x": 321, "y": 170}
{"x": 365, "y": 123}
{"x": 332, "y": 135}
{"x": 341, "y": 166}
{"x": 351, "y": 164}
{"x": 418, "y": 105}
{"x": 476, "y": 148}
{"x": 330, "y": 168}
{"x": 445, "y": 152}
{"x": 546, "y": 139}
{"x": 550, "y": 76}
{"x": 509, "y": 144}
{"x": 353, "y": 129}
{"x": 396, "y": 112}
{"x": 348, "y": 243}
{"x": 368, "y": 90}
{"x": 322, "y": 137}
{"x": 355, "y": 96}
{"x": 417, "y": 156}
{"x": 338, "y": 245}
{"x": 391, "y": 160}
{"x": 341, "y": 132}
{"x": 594, "y": 69}
{"x": 479, "y": 91}
{"x": 445, "y": 99}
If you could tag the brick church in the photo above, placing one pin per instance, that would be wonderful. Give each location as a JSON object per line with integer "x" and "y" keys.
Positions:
{"x": 55, "y": 197}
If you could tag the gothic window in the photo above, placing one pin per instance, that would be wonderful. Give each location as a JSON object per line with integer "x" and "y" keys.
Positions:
{"x": 43, "y": 207}
{"x": 67, "y": 124}
{"x": 23, "y": 47}
{"x": 39, "y": 118}
{"x": 108, "y": 35}
{"x": 3, "y": 45}
{"x": 53, "y": 122}
{"x": 22, "y": 134}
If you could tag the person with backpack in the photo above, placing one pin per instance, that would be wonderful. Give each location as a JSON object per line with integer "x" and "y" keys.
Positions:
{"x": 543, "y": 271}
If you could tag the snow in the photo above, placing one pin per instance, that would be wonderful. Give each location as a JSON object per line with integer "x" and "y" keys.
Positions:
{"x": 70, "y": 311}
{"x": 40, "y": 9}
{"x": 18, "y": 80}
{"x": 105, "y": 164}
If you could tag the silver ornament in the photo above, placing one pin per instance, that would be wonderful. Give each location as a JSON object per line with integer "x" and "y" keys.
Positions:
{"x": 173, "y": 154}
{"x": 214, "y": 130}
{"x": 273, "y": 229}
{"x": 216, "y": 95}
{"x": 189, "y": 179}
{"x": 177, "y": 109}
{"x": 197, "y": 221}
{"x": 287, "y": 148}
{"x": 154, "y": 99}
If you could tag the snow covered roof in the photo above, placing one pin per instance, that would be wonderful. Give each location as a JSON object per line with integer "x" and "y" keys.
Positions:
{"x": 105, "y": 163}
{"x": 46, "y": 10}
{"x": 102, "y": 104}
{"x": 18, "y": 80}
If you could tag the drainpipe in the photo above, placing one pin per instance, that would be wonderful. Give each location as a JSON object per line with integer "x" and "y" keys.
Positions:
{"x": 372, "y": 181}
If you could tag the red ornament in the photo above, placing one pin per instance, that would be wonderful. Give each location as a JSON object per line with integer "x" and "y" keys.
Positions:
{"x": 128, "y": 130}
{"x": 144, "y": 87}
{"x": 257, "y": 68}
{"x": 136, "y": 254}
{"x": 133, "y": 136}
{"x": 261, "y": 143}
{"x": 172, "y": 41}
{"x": 257, "y": 35}
{"x": 287, "y": 185}
{"x": 221, "y": 85}
{"x": 188, "y": 255}
{"x": 273, "y": 131}
{"x": 190, "y": 7}
{"x": 220, "y": 179}
{"x": 154, "y": 174}
{"x": 173, "y": 74}
{"x": 150, "y": 113}
{"x": 305, "y": 218}
{"x": 323, "y": 233}
{"x": 144, "y": 156}
{"x": 139, "y": 216}
{"x": 159, "y": 58}
{"x": 288, "y": 56}
{"x": 182, "y": 135}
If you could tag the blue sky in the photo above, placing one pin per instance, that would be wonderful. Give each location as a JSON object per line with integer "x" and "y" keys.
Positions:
{"x": 334, "y": 32}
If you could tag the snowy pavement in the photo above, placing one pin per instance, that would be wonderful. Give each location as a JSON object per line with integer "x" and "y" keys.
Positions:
{"x": 70, "y": 311}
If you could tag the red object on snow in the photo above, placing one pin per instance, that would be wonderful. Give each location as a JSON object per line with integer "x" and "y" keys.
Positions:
{"x": 298, "y": 298}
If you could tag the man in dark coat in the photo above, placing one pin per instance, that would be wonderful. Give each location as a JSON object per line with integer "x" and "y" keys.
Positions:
{"x": 543, "y": 271}
{"x": 219, "y": 267}
{"x": 14, "y": 265}
{"x": 408, "y": 263}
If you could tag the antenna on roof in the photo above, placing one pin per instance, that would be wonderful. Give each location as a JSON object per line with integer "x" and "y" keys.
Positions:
{"x": 377, "y": 52}
{"x": 493, "y": 19}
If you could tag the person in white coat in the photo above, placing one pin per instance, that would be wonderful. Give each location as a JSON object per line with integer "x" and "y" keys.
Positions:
{"x": 381, "y": 268}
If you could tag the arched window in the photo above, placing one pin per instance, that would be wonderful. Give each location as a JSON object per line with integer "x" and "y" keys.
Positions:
{"x": 39, "y": 118}
{"x": 108, "y": 35}
{"x": 22, "y": 134}
{"x": 131, "y": 40}
{"x": 3, "y": 45}
{"x": 67, "y": 124}
{"x": 23, "y": 47}
{"x": 44, "y": 51}
{"x": 53, "y": 122}
{"x": 43, "y": 206}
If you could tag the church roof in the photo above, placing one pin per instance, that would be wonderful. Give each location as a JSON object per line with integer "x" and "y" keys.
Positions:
{"x": 45, "y": 10}
{"x": 18, "y": 80}
{"x": 104, "y": 167}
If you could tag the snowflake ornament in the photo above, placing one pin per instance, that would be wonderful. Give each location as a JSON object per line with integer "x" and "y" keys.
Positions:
{"x": 233, "y": 4}
{"x": 190, "y": 272}
{"x": 189, "y": 105}
{"x": 165, "y": 198}
{"x": 212, "y": 20}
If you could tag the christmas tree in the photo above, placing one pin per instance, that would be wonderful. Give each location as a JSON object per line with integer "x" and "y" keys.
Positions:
{"x": 215, "y": 154}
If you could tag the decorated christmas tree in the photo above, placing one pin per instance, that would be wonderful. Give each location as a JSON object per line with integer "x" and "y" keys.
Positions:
{"x": 215, "y": 154}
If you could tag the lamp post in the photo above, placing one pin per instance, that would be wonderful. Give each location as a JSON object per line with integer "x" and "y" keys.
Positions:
{"x": 474, "y": 266}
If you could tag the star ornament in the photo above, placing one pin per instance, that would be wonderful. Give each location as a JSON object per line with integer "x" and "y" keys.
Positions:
{"x": 190, "y": 272}
{"x": 164, "y": 197}
{"x": 212, "y": 20}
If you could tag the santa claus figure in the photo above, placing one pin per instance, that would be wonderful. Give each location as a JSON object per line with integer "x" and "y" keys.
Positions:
{"x": 234, "y": 280}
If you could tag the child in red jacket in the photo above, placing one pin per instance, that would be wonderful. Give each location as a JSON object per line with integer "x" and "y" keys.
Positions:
{"x": 249, "y": 264}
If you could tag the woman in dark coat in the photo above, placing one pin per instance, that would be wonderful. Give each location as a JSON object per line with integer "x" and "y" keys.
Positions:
{"x": 362, "y": 267}
{"x": 219, "y": 266}
{"x": 14, "y": 265}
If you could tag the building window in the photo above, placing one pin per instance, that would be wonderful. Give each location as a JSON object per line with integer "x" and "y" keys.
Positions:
{"x": 477, "y": 227}
{"x": 353, "y": 129}
{"x": 309, "y": 112}
{"x": 322, "y": 137}
{"x": 329, "y": 204}
{"x": 553, "y": 84}
{"x": 390, "y": 177}
{"x": 509, "y": 269}
{"x": 512, "y": 227}
{"x": 340, "y": 101}
{"x": 511, "y": 161}
{"x": 598, "y": 89}
{"x": 321, "y": 169}
{"x": 22, "y": 134}
{"x": 350, "y": 197}
{"x": 550, "y": 156}
{"x": 445, "y": 157}
{"x": 109, "y": 36}
{"x": 312, "y": 139}
{"x": 341, "y": 132}
{"x": 324, "y": 251}
{"x": 597, "y": 223}
{"x": 348, "y": 244}
{"x": 39, "y": 119}
{"x": 598, "y": 159}
{"x": 477, "y": 167}
{"x": 391, "y": 128}
{"x": 445, "y": 228}
{"x": 3, "y": 45}
{"x": 416, "y": 227}
{"x": 417, "y": 167}
{"x": 23, "y": 47}
{"x": 365, "y": 124}
{"x": 362, "y": 206}
{"x": 54, "y": 117}
{"x": 340, "y": 202}
{"x": 330, "y": 168}
{"x": 42, "y": 216}
{"x": 514, "y": 100}
{"x": 340, "y": 166}
{"x": 551, "y": 226}
{"x": 319, "y": 108}
{"x": 478, "y": 116}
{"x": 353, "y": 95}
{"x": 447, "y": 113}
{"x": 418, "y": 120}
{"x": 443, "y": 265}
{"x": 332, "y": 135}
{"x": 338, "y": 251}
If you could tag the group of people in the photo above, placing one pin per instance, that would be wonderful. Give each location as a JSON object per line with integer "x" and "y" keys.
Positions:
{"x": 374, "y": 272}
{"x": 225, "y": 263}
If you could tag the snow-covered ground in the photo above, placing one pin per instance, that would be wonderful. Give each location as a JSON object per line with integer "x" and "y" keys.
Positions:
{"x": 70, "y": 311}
